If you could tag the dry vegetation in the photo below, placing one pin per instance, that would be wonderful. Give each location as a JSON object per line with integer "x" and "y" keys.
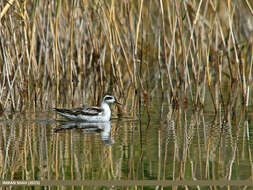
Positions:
{"x": 65, "y": 52}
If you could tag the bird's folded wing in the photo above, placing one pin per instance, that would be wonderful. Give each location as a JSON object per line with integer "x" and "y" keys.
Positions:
{"x": 91, "y": 111}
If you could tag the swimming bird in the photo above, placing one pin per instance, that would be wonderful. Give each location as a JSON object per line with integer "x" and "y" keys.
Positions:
{"x": 90, "y": 114}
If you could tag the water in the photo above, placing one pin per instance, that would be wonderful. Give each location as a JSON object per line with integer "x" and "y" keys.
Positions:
{"x": 172, "y": 145}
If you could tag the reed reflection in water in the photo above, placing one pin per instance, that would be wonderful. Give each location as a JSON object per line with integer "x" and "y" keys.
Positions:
{"x": 174, "y": 144}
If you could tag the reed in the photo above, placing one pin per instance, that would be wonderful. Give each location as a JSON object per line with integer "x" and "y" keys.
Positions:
{"x": 191, "y": 52}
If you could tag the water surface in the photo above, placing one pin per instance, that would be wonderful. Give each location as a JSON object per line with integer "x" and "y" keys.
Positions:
{"x": 159, "y": 144}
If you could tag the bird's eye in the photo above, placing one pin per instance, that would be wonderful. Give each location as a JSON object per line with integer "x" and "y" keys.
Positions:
{"x": 108, "y": 98}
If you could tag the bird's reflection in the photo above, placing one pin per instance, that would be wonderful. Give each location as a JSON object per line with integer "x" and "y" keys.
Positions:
{"x": 103, "y": 128}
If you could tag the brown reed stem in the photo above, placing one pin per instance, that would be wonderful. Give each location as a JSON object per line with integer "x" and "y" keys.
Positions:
{"x": 6, "y": 7}
{"x": 56, "y": 52}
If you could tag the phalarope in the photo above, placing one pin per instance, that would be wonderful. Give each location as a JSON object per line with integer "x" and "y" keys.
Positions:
{"x": 90, "y": 114}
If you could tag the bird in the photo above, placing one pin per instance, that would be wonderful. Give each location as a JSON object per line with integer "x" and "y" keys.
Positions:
{"x": 90, "y": 114}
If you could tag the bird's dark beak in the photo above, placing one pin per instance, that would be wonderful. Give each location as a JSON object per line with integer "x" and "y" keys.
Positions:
{"x": 117, "y": 102}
